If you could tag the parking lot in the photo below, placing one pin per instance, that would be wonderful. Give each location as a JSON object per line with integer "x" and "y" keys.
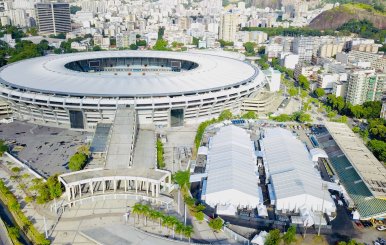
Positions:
{"x": 45, "y": 149}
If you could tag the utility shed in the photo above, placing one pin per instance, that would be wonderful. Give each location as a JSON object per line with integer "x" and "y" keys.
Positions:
{"x": 231, "y": 169}
{"x": 295, "y": 181}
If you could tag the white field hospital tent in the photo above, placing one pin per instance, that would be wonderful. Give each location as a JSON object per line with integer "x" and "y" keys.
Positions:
{"x": 290, "y": 170}
{"x": 231, "y": 168}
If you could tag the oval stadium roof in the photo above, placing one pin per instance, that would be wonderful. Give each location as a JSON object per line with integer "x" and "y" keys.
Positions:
{"x": 48, "y": 74}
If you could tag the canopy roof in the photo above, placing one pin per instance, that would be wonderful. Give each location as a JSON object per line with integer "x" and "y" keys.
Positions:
{"x": 48, "y": 74}
{"x": 291, "y": 170}
{"x": 231, "y": 166}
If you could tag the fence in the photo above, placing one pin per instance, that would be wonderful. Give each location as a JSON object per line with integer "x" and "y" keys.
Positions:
{"x": 32, "y": 171}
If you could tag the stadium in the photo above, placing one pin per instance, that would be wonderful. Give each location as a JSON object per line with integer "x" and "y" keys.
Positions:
{"x": 166, "y": 88}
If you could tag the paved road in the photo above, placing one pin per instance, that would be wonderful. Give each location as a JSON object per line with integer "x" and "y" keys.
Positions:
{"x": 4, "y": 239}
{"x": 123, "y": 234}
{"x": 144, "y": 150}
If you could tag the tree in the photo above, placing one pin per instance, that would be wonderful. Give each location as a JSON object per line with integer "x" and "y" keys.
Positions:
{"x": 261, "y": 50}
{"x": 14, "y": 233}
{"x": 378, "y": 147}
{"x": 216, "y": 224}
{"x": 161, "y": 31}
{"x": 54, "y": 186}
{"x": 303, "y": 82}
{"x": 249, "y": 115}
{"x": 319, "y": 92}
{"x": 282, "y": 118}
{"x": 160, "y": 154}
{"x": 137, "y": 210}
{"x": 145, "y": 212}
{"x": 84, "y": 149}
{"x": 33, "y": 31}
{"x": 133, "y": 46}
{"x": 16, "y": 170}
{"x": 195, "y": 41}
{"x": 199, "y": 216}
{"x": 180, "y": 229}
{"x": 290, "y": 236}
{"x": 77, "y": 162}
{"x": 302, "y": 117}
{"x": 225, "y": 115}
{"x": 74, "y": 9}
{"x": 249, "y": 48}
{"x": 97, "y": 48}
{"x": 273, "y": 237}
{"x": 331, "y": 114}
{"x": 224, "y": 43}
{"x": 161, "y": 45}
{"x": 343, "y": 119}
{"x": 188, "y": 231}
{"x": 292, "y": 92}
{"x": 182, "y": 178}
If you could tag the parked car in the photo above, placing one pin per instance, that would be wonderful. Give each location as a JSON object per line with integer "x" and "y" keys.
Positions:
{"x": 381, "y": 228}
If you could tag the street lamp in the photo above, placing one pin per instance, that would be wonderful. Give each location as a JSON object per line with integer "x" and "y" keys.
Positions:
{"x": 324, "y": 188}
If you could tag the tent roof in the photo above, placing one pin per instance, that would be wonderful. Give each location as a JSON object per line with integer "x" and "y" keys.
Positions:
{"x": 231, "y": 162}
{"x": 289, "y": 165}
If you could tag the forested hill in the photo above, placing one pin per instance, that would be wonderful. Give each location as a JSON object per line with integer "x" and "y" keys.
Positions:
{"x": 336, "y": 17}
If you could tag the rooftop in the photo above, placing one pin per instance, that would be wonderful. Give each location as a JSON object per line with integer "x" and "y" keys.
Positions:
{"x": 231, "y": 163}
{"x": 289, "y": 165}
{"x": 84, "y": 176}
{"x": 48, "y": 74}
{"x": 371, "y": 171}
{"x": 121, "y": 143}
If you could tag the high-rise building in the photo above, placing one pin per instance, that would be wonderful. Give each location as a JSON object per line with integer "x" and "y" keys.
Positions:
{"x": 383, "y": 111}
{"x": 365, "y": 85}
{"x": 53, "y": 18}
{"x": 304, "y": 47}
{"x": 228, "y": 27}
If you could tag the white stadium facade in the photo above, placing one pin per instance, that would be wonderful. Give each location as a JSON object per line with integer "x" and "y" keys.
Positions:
{"x": 166, "y": 88}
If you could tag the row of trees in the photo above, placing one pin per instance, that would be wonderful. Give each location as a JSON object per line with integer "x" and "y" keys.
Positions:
{"x": 79, "y": 159}
{"x": 3, "y": 147}
{"x": 363, "y": 28}
{"x": 160, "y": 154}
{"x": 298, "y": 116}
{"x": 170, "y": 222}
{"x": 10, "y": 200}
{"x": 274, "y": 237}
{"x": 368, "y": 110}
{"x": 291, "y": 31}
{"x": 47, "y": 191}
{"x": 224, "y": 115}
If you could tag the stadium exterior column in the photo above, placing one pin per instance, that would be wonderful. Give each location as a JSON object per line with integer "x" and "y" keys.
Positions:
{"x": 80, "y": 191}
{"x": 157, "y": 190}
{"x": 136, "y": 186}
{"x": 68, "y": 193}
{"x": 91, "y": 188}
{"x": 125, "y": 185}
{"x": 72, "y": 191}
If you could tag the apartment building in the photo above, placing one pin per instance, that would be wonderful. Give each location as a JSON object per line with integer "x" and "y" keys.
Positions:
{"x": 53, "y": 18}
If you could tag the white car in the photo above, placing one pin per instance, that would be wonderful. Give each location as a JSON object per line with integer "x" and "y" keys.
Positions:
{"x": 381, "y": 228}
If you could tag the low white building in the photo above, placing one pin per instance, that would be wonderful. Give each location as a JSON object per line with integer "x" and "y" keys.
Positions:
{"x": 231, "y": 168}
{"x": 327, "y": 80}
{"x": 289, "y": 60}
{"x": 274, "y": 79}
{"x": 294, "y": 180}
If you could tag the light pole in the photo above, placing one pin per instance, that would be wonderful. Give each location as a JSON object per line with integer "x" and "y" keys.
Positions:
{"x": 324, "y": 187}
